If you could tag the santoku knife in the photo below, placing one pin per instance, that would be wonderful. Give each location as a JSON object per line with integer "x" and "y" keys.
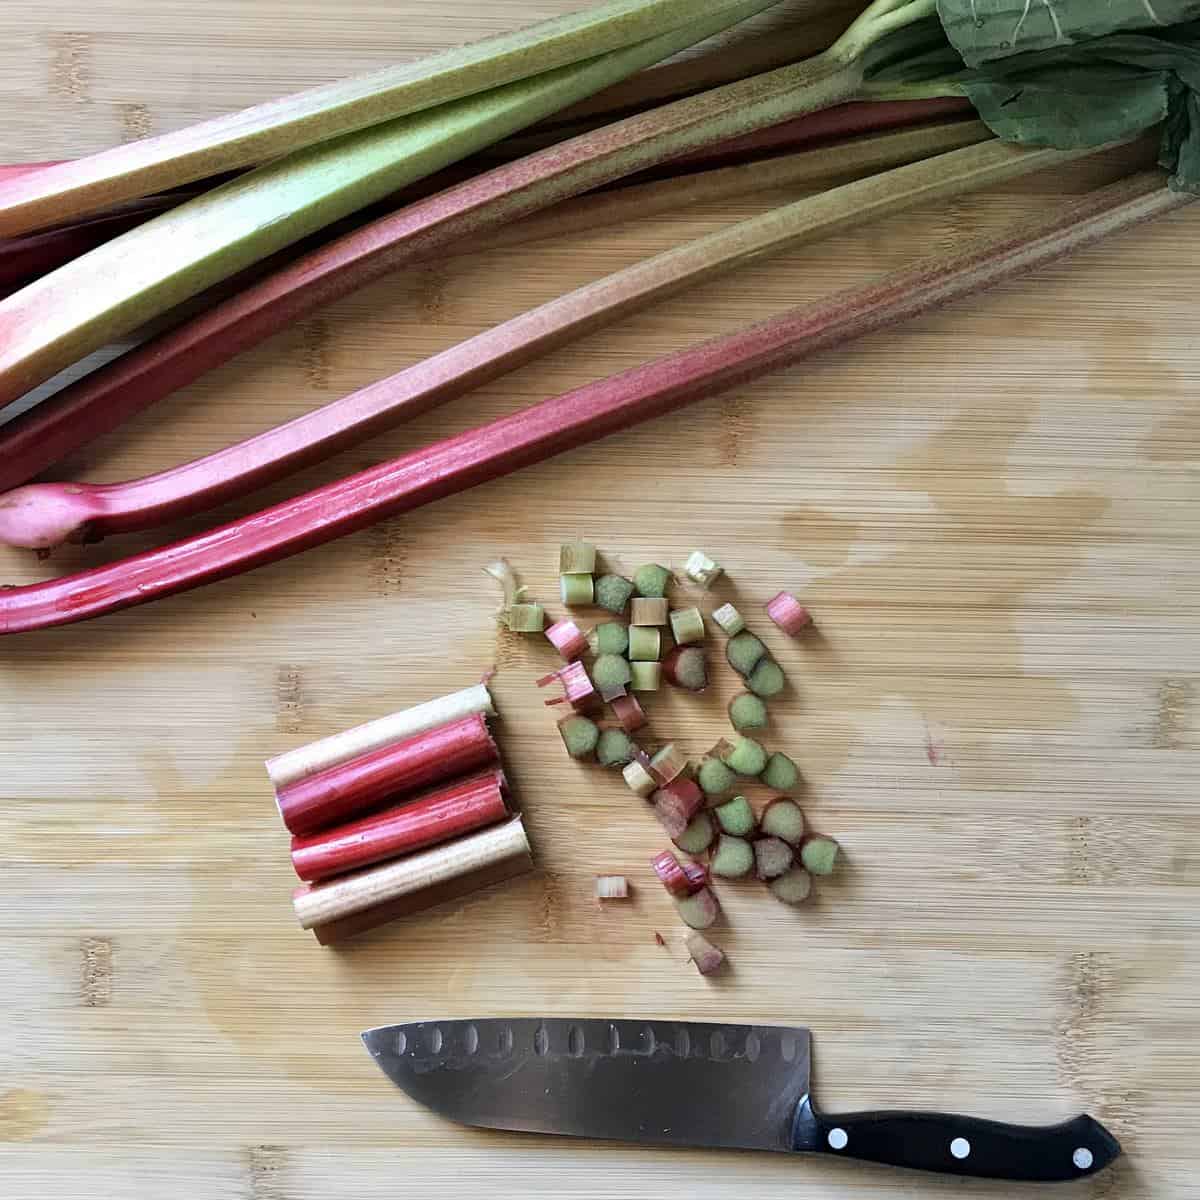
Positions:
{"x": 689, "y": 1084}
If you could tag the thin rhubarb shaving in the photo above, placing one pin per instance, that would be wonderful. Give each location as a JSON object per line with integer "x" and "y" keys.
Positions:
{"x": 583, "y": 415}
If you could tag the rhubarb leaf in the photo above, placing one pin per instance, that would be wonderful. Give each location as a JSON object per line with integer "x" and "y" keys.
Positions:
{"x": 983, "y": 30}
{"x": 1108, "y": 90}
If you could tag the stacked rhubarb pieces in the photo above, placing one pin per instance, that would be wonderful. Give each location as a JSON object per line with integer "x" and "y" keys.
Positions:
{"x": 398, "y": 815}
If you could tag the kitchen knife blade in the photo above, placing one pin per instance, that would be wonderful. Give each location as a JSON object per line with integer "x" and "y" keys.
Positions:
{"x": 686, "y": 1083}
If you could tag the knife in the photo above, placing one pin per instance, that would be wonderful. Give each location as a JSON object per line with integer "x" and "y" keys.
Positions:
{"x": 680, "y": 1083}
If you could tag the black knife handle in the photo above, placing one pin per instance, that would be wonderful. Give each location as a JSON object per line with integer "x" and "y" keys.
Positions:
{"x": 955, "y": 1145}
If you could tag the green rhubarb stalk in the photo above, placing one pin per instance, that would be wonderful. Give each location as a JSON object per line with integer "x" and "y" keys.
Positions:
{"x": 278, "y": 127}
{"x": 122, "y": 284}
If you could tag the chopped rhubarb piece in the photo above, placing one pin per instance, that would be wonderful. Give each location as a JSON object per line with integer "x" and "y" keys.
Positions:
{"x": 615, "y": 748}
{"x": 668, "y": 764}
{"x": 643, "y": 611}
{"x": 714, "y": 777}
{"x": 747, "y": 757}
{"x": 699, "y": 911}
{"x": 578, "y": 690}
{"x": 651, "y": 580}
{"x": 612, "y": 887}
{"x": 783, "y": 819}
{"x": 767, "y": 679}
{"x": 613, "y": 592}
{"x": 697, "y": 875}
{"x": 698, "y": 836}
{"x": 567, "y": 639}
{"x": 577, "y": 590}
{"x": 687, "y": 626}
{"x": 781, "y": 774}
{"x": 789, "y": 614}
{"x": 772, "y": 857}
{"x": 744, "y": 651}
{"x": 639, "y": 779}
{"x": 733, "y": 858}
{"x": 647, "y": 676}
{"x": 645, "y": 643}
{"x": 728, "y": 620}
{"x": 747, "y": 712}
{"x": 612, "y": 637}
{"x": 576, "y": 558}
{"x": 580, "y": 736}
{"x": 793, "y": 887}
{"x": 707, "y": 957}
{"x": 629, "y": 712}
{"x": 701, "y": 569}
{"x": 675, "y": 805}
{"x": 671, "y": 874}
{"x": 819, "y": 855}
{"x": 686, "y": 668}
{"x": 736, "y": 817}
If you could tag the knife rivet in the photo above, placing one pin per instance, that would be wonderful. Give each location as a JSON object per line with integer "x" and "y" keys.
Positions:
{"x": 960, "y": 1148}
{"x": 1083, "y": 1158}
{"x": 839, "y": 1139}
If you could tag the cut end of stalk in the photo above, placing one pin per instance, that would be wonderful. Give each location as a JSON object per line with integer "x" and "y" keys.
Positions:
{"x": 577, "y": 558}
{"x": 41, "y": 516}
{"x": 675, "y": 805}
{"x": 698, "y": 836}
{"x": 773, "y": 857}
{"x": 736, "y": 817}
{"x": 611, "y": 671}
{"x": 793, "y": 887}
{"x": 819, "y": 855}
{"x": 651, "y": 580}
{"x": 613, "y": 593}
{"x": 789, "y": 614}
{"x": 639, "y": 780}
{"x": 733, "y": 858}
{"x": 767, "y": 679}
{"x": 783, "y": 819}
{"x": 715, "y": 778}
{"x": 686, "y": 668}
{"x": 615, "y": 748}
{"x": 612, "y": 637}
{"x": 747, "y": 712}
{"x": 699, "y": 911}
{"x": 744, "y": 652}
{"x": 781, "y": 774}
{"x": 747, "y": 757}
{"x": 668, "y": 764}
{"x": 580, "y": 736}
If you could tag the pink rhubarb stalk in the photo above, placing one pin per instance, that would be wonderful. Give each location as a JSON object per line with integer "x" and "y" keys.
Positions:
{"x": 580, "y": 416}
{"x": 39, "y": 516}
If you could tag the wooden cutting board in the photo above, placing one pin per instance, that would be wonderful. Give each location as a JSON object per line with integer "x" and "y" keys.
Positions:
{"x": 993, "y": 513}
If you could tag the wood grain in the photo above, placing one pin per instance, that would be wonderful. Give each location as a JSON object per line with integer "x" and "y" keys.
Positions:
{"x": 992, "y": 512}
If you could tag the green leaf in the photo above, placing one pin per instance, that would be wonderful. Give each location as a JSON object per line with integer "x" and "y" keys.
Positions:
{"x": 1107, "y": 90}
{"x": 983, "y": 30}
{"x": 1072, "y": 108}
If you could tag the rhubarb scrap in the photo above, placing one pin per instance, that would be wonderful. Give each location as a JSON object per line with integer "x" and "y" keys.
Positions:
{"x": 612, "y": 887}
{"x": 708, "y": 958}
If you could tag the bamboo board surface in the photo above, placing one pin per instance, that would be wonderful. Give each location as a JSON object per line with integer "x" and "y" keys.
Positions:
{"x": 993, "y": 512}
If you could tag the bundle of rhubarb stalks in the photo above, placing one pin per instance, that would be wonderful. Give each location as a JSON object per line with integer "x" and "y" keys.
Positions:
{"x": 399, "y": 815}
{"x": 204, "y": 241}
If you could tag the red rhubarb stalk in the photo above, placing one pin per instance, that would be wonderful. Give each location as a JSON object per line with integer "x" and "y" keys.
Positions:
{"x": 583, "y": 415}
{"x": 439, "y": 816}
{"x": 418, "y": 231}
{"x": 331, "y": 796}
{"x": 40, "y": 516}
{"x": 578, "y": 690}
{"x": 266, "y": 131}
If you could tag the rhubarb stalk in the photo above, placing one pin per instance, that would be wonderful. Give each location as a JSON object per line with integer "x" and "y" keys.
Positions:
{"x": 124, "y": 283}
{"x": 454, "y": 810}
{"x": 427, "y": 227}
{"x": 39, "y": 516}
{"x": 362, "y": 739}
{"x": 583, "y": 415}
{"x": 331, "y": 796}
{"x": 349, "y": 894}
{"x": 254, "y": 135}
